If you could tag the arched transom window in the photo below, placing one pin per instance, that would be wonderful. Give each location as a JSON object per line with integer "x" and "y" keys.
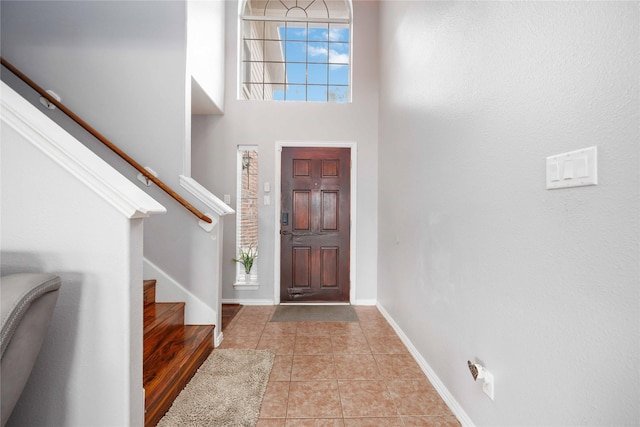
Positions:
{"x": 296, "y": 50}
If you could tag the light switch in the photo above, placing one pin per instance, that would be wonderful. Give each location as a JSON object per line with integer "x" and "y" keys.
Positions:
{"x": 553, "y": 171}
{"x": 567, "y": 172}
{"x": 581, "y": 167}
{"x": 267, "y": 187}
{"x": 573, "y": 169}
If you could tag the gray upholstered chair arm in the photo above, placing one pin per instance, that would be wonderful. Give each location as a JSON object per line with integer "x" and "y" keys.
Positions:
{"x": 26, "y": 309}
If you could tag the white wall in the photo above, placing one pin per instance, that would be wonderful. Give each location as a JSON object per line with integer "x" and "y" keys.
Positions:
{"x": 64, "y": 211}
{"x": 477, "y": 260}
{"x": 122, "y": 67}
{"x": 205, "y": 53}
{"x": 264, "y": 123}
{"x": 119, "y": 65}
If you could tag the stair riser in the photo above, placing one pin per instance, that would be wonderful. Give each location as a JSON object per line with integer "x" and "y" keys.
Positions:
{"x": 149, "y": 292}
{"x": 163, "y": 315}
{"x": 160, "y": 350}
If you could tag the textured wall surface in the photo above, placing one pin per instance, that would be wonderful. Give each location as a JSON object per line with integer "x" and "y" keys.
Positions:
{"x": 477, "y": 260}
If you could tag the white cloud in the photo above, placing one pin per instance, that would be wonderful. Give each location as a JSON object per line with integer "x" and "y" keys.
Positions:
{"x": 336, "y": 34}
{"x": 317, "y": 51}
{"x": 300, "y": 34}
{"x": 335, "y": 57}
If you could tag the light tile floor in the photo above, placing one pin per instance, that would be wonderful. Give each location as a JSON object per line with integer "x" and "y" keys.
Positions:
{"x": 347, "y": 374}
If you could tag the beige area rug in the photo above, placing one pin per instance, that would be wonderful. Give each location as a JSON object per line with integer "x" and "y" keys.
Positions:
{"x": 315, "y": 313}
{"x": 227, "y": 390}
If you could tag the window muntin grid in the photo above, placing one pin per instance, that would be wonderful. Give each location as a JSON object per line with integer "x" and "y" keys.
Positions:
{"x": 302, "y": 59}
{"x": 316, "y": 9}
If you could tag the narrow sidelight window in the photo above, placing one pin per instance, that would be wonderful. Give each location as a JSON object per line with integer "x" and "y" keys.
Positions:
{"x": 247, "y": 216}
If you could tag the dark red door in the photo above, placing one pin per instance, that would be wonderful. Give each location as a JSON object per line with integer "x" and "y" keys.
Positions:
{"x": 314, "y": 224}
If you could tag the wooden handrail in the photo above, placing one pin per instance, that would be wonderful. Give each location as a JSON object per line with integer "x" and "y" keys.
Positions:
{"x": 105, "y": 141}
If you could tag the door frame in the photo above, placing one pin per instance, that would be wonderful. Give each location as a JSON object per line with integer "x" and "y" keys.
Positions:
{"x": 352, "y": 230}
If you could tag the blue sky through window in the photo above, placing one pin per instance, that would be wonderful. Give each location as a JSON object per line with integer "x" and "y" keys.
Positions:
{"x": 317, "y": 62}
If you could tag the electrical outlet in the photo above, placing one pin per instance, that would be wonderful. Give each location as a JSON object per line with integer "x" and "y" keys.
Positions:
{"x": 487, "y": 385}
{"x": 479, "y": 372}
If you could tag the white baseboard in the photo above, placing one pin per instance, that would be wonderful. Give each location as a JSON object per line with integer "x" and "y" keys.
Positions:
{"x": 365, "y": 302}
{"x": 248, "y": 301}
{"x": 270, "y": 302}
{"x": 218, "y": 338}
{"x": 448, "y": 398}
{"x": 196, "y": 312}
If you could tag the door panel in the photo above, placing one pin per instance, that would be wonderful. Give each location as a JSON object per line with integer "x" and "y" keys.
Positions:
{"x": 329, "y": 211}
{"x": 329, "y": 267}
{"x": 314, "y": 259}
{"x": 301, "y": 210}
{"x": 302, "y": 267}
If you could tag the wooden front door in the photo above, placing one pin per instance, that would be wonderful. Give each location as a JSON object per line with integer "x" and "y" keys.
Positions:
{"x": 314, "y": 224}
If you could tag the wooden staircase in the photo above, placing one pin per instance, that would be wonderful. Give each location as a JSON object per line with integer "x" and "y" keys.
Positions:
{"x": 173, "y": 352}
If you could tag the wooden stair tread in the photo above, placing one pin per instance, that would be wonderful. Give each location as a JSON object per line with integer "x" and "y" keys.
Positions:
{"x": 167, "y": 372}
{"x": 162, "y": 314}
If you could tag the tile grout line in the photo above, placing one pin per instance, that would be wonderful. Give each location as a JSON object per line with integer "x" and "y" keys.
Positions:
{"x": 293, "y": 357}
{"x": 335, "y": 370}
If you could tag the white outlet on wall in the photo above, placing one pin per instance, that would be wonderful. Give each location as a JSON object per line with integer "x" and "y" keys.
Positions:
{"x": 487, "y": 385}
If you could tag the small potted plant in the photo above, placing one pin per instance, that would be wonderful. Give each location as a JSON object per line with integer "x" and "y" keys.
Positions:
{"x": 247, "y": 258}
